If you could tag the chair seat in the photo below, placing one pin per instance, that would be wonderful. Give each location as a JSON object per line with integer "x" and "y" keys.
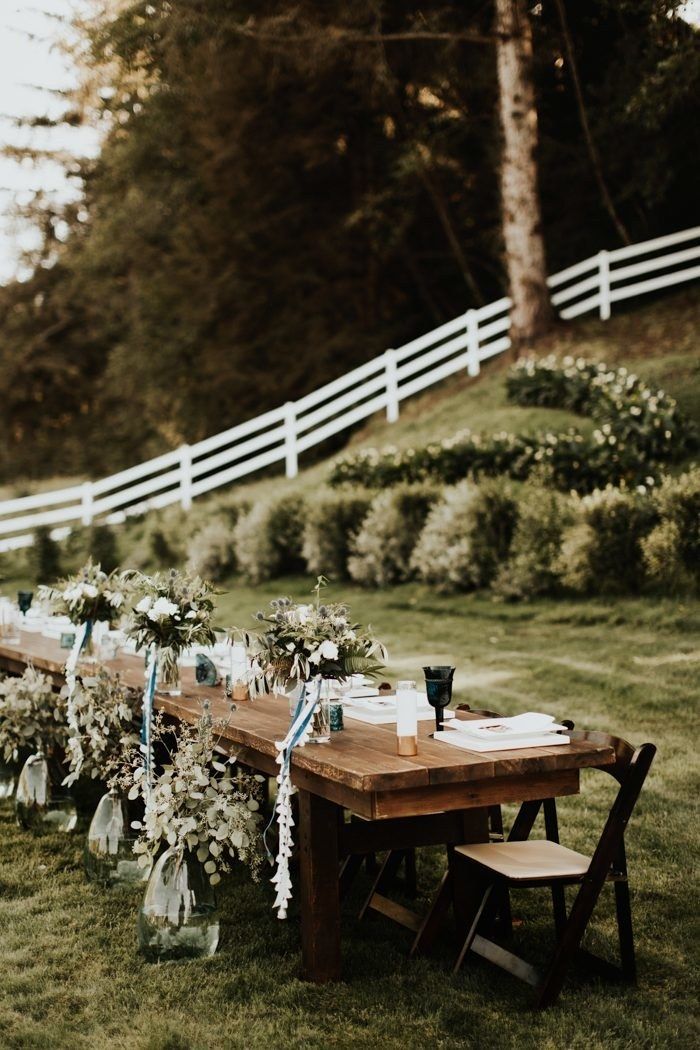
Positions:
{"x": 532, "y": 859}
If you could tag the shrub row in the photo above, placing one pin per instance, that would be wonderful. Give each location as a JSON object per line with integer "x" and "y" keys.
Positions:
{"x": 639, "y": 431}
{"x": 520, "y": 540}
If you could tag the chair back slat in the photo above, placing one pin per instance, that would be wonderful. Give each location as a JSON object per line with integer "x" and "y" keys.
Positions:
{"x": 611, "y": 843}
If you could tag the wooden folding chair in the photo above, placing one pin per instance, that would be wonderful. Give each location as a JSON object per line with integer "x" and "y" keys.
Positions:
{"x": 521, "y": 862}
{"x": 386, "y": 877}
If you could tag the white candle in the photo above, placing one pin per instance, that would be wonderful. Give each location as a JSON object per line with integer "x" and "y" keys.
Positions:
{"x": 407, "y": 718}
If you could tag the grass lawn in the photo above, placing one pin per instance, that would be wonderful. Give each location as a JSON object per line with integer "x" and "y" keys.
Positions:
{"x": 71, "y": 976}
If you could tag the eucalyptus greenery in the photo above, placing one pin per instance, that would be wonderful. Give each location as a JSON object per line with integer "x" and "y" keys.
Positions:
{"x": 89, "y": 595}
{"x": 101, "y": 713}
{"x": 197, "y": 802}
{"x": 299, "y": 641}
{"x": 32, "y": 715}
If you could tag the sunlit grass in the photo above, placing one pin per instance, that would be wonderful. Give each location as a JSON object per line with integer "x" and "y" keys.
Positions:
{"x": 71, "y": 976}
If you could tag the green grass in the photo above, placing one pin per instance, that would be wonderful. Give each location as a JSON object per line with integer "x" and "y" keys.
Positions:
{"x": 71, "y": 976}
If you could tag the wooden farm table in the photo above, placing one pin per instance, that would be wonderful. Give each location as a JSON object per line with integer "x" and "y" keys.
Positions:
{"x": 439, "y": 797}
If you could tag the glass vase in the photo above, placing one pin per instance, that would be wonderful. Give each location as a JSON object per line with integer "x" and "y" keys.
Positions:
{"x": 8, "y": 778}
{"x": 37, "y": 807}
{"x": 179, "y": 918}
{"x": 321, "y": 718}
{"x": 109, "y": 856}
{"x": 87, "y": 664}
{"x": 169, "y": 681}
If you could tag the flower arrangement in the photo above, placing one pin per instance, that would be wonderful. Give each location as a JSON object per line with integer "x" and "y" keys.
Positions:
{"x": 100, "y": 727}
{"x": 194, "y": 802}
{"x": 31, "y": 714}
{"x": 88, "y": 596}
{"x": 300, "y": 641}
{"x": 173, "y": 611}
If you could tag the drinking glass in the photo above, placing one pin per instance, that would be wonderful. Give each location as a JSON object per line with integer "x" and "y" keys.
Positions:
{"x": 438, "y": 687}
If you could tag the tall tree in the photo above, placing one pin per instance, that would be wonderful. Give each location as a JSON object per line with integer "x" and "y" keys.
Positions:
{"x": 531, "y": 312}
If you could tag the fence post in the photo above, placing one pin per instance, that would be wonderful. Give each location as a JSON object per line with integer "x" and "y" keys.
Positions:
{"x": 185, "y": 477}
{"x": 604, "y": 282}
{"x": 473, "y": 363}
{"x": 290, "y": 439}
{"x": 86, "y": 503}
{"x": 392, "y": 386}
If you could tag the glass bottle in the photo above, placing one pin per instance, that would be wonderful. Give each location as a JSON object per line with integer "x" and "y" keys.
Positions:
{"x": 37, "y": 807}
{"x": 179, "y": 918}
{"x": 109, "y": 856}
{"x": 325, "y": 689}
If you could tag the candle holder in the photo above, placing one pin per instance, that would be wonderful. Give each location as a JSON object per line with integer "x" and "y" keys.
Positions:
{"x": 438, "y": 687}
{"x": 406, "y": 719}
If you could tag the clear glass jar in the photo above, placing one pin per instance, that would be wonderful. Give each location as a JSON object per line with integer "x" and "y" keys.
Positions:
{"x": 87, "y": 663}
{"x": 179, "y": 918}
{"x": 37, "y": 808}
{"x": 8, "y": 779}
{"x": 169, "y": 681}
{"x": 10, "y": 622}
{"x": 109, "y": 855}
{"x": 321, "y": 718}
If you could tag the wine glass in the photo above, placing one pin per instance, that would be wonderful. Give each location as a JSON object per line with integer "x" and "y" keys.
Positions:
{"x": 24, "y": 601}
{"x": 438, "y": 687}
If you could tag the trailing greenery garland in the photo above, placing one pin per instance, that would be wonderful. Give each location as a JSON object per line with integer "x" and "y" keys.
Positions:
{"x": 639, "y": 430}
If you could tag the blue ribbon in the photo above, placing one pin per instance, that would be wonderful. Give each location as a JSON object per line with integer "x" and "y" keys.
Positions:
{"x": 147, "y": 711}
{"x": 298, "y": 726}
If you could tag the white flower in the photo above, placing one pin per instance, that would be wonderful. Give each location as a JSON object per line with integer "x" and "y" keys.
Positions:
{"x": 143, "y": 606}
{"x": 162, "y": 609}
{"x": 328, "y": 650}
{"x": 191, "y": 615}
{"x": 115, "y": 598}
{"x": 303, "y": 613}
{"x": 90, "y": 590}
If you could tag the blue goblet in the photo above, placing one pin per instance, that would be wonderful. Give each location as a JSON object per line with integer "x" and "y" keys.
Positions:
{"x": 438, "y": 687}
{"x": 24, "y": 601}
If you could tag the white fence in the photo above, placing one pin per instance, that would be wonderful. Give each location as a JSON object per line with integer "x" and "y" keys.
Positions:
{"x": 380, "y": 385}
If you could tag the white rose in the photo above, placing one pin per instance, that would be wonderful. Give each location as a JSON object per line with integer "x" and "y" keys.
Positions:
{"x": 191, "y": 615}
{"x": 162, "y": 609}
{"x": 90, "y": 590}
{"x": 143, "y": 606}
{"x": 328, "y": 650}
{"x": 303, "y": 613}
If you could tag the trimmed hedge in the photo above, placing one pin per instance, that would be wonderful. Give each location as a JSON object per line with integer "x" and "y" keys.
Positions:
{"x": 381, "y": 551}
{"x": 332, "y": 524}
{"x": 639, "y": 431}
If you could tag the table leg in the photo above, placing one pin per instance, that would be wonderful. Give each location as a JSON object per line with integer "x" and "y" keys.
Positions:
{"x": 319, "y": 822}
{"x": 475, "y": 828}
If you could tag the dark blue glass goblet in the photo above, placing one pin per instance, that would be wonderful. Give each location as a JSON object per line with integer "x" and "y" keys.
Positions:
{"x": 24, "y": 601}
{"x": 438, "y": 687}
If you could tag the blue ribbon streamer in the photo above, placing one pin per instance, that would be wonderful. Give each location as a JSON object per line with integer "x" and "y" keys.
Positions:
{"x": 298, "y": 726}
{"x": 147, "y": 710}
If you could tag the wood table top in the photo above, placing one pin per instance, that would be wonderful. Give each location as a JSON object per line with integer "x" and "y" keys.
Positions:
{"x": 361, "y": 758}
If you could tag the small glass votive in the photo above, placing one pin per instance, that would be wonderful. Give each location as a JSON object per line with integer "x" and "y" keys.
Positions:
{"x": 336, "y": 716}
{"x": 406, "y": 719}
{"x": 9, "y": 623}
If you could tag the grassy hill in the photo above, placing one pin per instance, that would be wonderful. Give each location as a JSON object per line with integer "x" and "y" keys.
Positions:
{"x": 659, "y": 341}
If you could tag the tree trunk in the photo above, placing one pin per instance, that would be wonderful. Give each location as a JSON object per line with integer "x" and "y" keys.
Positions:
{"x": 531, "y": 312}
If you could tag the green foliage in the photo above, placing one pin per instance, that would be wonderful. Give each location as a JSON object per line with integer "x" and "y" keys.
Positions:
{"x": 273, "y": 164}
{"x": 332, "y": 523}
{"x": 210, "y": 552}
{"x": 381, "y": 551}
{"x": 43, "y": 559}
{"x": 640, "y": 429}
{"x": 268, "y": 539}
{"x": 466, "y": 536}
{"x": 602, "y": 551}
{"x": 102, "y": 547}
{"x": 672, "y": 549}
{"x": 532, "y": 568}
